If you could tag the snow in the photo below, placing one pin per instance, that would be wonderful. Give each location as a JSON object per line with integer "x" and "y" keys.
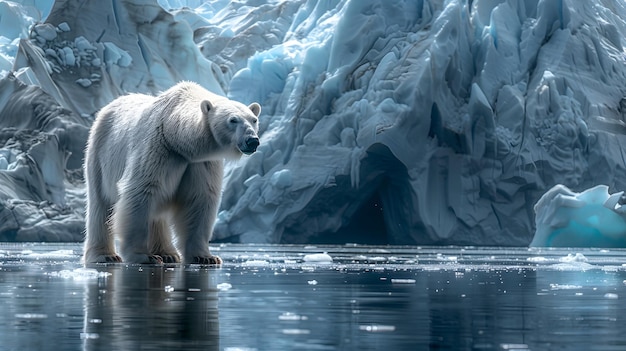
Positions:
{"x": 451, "y": 118}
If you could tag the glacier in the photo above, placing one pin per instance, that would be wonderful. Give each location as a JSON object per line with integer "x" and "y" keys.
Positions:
{"x": 405, "y": 122}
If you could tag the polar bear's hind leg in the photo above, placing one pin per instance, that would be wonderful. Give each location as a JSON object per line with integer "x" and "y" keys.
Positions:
{"x": 130, "y": 220}
{"x": 99, "y": 245}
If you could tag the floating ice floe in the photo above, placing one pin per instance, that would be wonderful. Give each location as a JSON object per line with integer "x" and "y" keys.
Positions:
{"x": 565, "y": 287}
{"x": 224, "y": 286}
{"x": 320, "y": 258}
{"x": 377, "y": 328}
{"x": 56, "y": 254}
{"x": 254, "y": 263}
{"x": 577, "y": 257}
{"x": 79, "y": 274}
{"x": 592, "y": 218}
{"x": 290, "y": 316}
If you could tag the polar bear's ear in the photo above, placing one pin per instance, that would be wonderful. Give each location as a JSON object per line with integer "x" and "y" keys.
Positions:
{"x": 206, "y": 106}
{"x": 255, "y": 108}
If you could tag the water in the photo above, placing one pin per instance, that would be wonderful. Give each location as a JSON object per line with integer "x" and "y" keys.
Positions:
{"x": 277, "y": 298}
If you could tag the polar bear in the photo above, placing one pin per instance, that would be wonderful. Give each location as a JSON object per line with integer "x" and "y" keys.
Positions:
{"x": 155, "y": 163}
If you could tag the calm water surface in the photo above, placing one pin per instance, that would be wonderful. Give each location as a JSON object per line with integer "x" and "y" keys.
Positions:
{"x": 293, "y": 298}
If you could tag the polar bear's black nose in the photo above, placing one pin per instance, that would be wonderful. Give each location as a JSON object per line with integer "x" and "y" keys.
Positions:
{"x": 252, "y": 143}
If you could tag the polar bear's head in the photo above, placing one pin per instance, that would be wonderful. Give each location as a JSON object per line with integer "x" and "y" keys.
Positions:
{"x": 234, "y": 125}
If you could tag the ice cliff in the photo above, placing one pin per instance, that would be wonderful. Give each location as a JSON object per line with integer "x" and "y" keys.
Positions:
{"x": 403, "y": 122}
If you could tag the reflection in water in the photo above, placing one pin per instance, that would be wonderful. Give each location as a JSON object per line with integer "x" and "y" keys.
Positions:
{"x": 378, "y": 309}
{"x": 271, "y": 299}
{"x": 149, "y": 308}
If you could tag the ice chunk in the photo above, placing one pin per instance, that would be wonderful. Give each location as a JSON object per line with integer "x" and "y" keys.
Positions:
{"x": 84, "y": 82}
{"x": 224, "y": 286}
{"x": 89, "y": 336}
{"x": 321, "y": 258}
{"x": 296, "y": 331}
{"x": 289, "y": 316}
{"x": 113, "y": 55}
{"x": 70, "y": 59}
{"x": 83, "y": 44}
{"x": 578, "y": 257}
{"x": 377, "y": 328}
{"x": 613, "y": 200}
{"x": 591, "y": 218}
{"x": 63, "y": 26}
{"x": 254, "y": 263}
{"x": 565, "y": 287}
{"x": 282, "y": 179}
{"x": 31, "y": 316}
{"x": 80, "y": 274}
{"x": 46, "y": 31}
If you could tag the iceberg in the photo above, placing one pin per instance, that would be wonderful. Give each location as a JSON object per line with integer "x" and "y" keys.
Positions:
{"x": 404, "y": 122}
{"x": 592, "y": 218}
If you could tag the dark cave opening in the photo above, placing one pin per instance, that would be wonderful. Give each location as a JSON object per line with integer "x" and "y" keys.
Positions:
{"x": 375, "y": 210}
{"x": 366, "y": 226}
{"x": 383, "y": 189}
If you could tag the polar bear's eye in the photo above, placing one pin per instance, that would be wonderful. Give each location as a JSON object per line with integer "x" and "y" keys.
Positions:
{"x": 254, "y": 121}
{"x": 232, "y": 120}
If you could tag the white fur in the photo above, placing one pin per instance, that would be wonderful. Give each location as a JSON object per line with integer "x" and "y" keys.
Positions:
{"x": 155, "y": 163}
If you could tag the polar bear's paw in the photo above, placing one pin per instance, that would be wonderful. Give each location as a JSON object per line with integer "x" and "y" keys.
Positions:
{"x": 209, "y": 260}
{"x": 113, "y": 258}
{"x": 153, "y": 259}
{"x": 169, "y": 257}
{"x": 142, "y": 258}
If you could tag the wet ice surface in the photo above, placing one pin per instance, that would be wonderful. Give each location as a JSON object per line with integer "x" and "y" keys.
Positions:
{"x": 317, "y": 298}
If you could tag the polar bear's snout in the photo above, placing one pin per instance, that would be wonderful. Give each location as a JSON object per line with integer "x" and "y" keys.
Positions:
{"x": 250, "y": 146}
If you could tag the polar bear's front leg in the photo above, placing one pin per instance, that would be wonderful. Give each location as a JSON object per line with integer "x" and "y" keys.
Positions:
{"x": 160, "y": 242}
{"x": 198, "y": 200}
{"x": 195, "y": 223}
